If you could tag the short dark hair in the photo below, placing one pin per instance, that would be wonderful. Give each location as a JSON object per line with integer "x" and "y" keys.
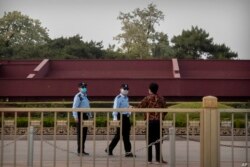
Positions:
{"x": 153, "y": 87}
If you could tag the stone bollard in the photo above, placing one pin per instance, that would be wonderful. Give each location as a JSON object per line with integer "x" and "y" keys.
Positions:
{"x": 172, "y": 147}
{"x": 30, "y": 146}
{"x": 209, "y": 133}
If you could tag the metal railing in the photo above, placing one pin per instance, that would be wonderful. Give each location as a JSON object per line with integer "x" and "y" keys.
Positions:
{"x": 169, "y": 149}
{"x": 231, "y": 124}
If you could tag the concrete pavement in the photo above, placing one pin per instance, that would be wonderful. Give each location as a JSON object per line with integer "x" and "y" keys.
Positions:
{"x": 101, "y": 159}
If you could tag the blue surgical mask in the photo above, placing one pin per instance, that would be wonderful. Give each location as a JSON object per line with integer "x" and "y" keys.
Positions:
{"x": 84, "y": 90}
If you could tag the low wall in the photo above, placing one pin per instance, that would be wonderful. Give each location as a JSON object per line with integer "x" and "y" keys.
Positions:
{"x": 103, "y": 131}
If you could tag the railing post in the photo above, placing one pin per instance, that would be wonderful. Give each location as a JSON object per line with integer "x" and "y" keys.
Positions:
{"x": 172, "y": 147}
{"x": 209, "y": 133}
{"x": 30, "y": 146}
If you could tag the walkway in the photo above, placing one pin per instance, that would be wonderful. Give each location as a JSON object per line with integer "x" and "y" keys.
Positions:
{"x": 114, "y": 161}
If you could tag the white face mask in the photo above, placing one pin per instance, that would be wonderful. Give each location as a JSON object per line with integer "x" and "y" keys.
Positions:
{"x": 124, "y": 92}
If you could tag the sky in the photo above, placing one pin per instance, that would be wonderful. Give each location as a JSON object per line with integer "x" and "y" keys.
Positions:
{"x": 226, "y": 21}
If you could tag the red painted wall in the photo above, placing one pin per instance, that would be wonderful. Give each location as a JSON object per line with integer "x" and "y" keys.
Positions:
{"x": 198, "y": 78}
{"x": 15, "y": 69}
{"x": 215, "y": 69}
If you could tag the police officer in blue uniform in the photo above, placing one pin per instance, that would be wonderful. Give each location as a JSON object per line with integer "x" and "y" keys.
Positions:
{"x": 122, "y": 101}
{"x": 81, "y": 101}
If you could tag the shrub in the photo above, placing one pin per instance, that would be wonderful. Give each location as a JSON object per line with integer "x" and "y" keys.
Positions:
{"x": 101, "y": 118}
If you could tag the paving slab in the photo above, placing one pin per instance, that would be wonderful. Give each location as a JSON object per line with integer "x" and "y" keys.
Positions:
{"x": 101, "y": 159}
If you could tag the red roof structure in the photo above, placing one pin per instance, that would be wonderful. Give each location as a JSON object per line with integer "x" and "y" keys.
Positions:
{"x": 178, "y": 79}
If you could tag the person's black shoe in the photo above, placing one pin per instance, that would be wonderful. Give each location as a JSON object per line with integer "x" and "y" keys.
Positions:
{"x": 109, "y": 153}
{"x": 162, "y": 162}
{"x": 129, "y": 154}
{"x": 83, "y": 153}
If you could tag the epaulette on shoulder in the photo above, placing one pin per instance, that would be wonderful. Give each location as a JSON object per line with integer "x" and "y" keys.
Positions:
{"x": 118, "y": 96}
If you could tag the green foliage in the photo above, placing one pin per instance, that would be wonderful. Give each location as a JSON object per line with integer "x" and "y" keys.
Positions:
{"x": 19, "y": 35}
{"x": 139, "y": 37}
{"x": 22, "y": 37}
{"x": 101, "y": 121}
{"x": 101, "y": 118}
{"x": 112, "y": 53}
{"x": 192, "y": 43}
{"x": 187, "y": 105}
{"x": 72, "y": 48}
{"x": 181, "y": 118}
{"x": 238, "y": 104}
{"x": 196, "y": 44}
{"x": 36, "y": 104}
{"x": 160, "y": 46}
{"x": 22, "y": 122}
{"x": 239, "y": 123}
{"x": 196, "y": 105}
{"x": 63, "y": 104}
{"x": 222, "y": 52}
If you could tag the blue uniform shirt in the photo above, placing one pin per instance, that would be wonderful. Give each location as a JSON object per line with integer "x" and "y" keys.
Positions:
{"x": 120, "y": 101}
{"x": 80, "y": 101}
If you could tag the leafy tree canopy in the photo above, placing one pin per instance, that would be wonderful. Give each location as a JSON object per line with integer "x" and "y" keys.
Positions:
{"x": 71, "y": 48}
{"x": 196, "y": 44}
{"x": 17, "y": 29}
{"x": 221, "y": 51}
{"x": 19, "y": 32}
{"x": 139, "y": 38}
{"x": 22, "y": 37}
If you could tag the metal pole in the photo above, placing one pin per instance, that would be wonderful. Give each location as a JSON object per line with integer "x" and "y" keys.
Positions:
{"x": 107, "y": 139}
{"x": 55, "y": 117}
{"x": 134, "y": 139}
{"x": 2, "y": 140}
{"x": 30, "y": 146}
{"x": 94, "y": 138}
{"x": 68, "y": 123}
{"x": 246, "y": 126}
{"x": 232, "y": 138}
{"x": 81, "y": 121}
{"x": 41, "y": 134}
{"x": 147, "y": 138}
{"x": 172, "y": 147}
{"x": 15, "y": 129}
{"x": 161, "y": 140}
{"x": 187, "y": 139}
{"x": 121, "y": 139}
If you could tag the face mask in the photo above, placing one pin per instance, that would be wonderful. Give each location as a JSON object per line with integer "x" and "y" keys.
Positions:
{"x": 84, "y": 90}
{"x": 124, "y": 92}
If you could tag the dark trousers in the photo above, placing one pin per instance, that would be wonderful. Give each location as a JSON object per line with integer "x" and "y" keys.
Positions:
{"x": 153, "y": 135}
{"x": 125, "y": 135}
{"x": 84, "y": 132}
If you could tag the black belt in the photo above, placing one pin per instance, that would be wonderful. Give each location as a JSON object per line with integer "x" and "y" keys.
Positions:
{"x": 124, "y": 115}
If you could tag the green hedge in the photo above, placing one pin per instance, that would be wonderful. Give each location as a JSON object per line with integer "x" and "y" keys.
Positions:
{"x": 101, "y": 119}
{"x": 95, "y": 104}
{"x": 102, "y": 122}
